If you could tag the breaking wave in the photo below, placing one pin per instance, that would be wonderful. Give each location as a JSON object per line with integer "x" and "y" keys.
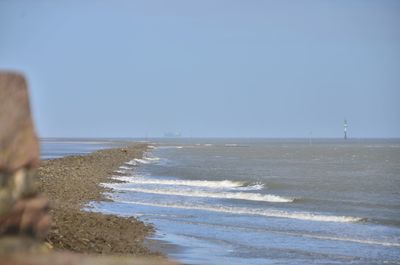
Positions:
{"x": 144, "y": 160}
{"x": 131, "y": 163}
{"x": 254, "y": 211}
{"x": 219, "y": 195}
{"x": 216, "y": 184}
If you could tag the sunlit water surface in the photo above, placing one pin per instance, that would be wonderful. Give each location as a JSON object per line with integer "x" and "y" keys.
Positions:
{"x": 237, "y": 201}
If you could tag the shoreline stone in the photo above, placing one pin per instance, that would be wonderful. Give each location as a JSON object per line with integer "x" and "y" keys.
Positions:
{"x": 72, "y": 182}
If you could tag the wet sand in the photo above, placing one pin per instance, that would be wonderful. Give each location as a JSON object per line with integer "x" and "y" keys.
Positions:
{"x": 73, "y": 181}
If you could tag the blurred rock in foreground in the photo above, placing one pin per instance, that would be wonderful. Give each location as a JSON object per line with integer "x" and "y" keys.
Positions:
{"x": 22, "y": 210}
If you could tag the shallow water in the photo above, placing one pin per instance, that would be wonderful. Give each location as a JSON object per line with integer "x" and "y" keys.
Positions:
{"x": 56, "y": 148}
{"x": 227, "y": 201}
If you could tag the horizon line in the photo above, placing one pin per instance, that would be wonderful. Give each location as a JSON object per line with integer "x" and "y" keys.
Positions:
{"x": 216, "y": 137}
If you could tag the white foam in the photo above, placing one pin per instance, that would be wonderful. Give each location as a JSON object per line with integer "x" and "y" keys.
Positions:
{"x": 146, "y": 160}
{"x": 152, "y": 158}
{"x": 356, "y": 240}
{"x": 334, "y": 238}
{"x": 256, "y": 186}
{"x": 218, "y": 184}
{"x": 132, "y": 163}
{"x": 219, "y": 195}
{"x": 120, "y": 171}
{"x": 124, "y": 167}
{"x": 170, "y": 147}
{"x": 142, "y": 161}
{"x": 260, "y": 212}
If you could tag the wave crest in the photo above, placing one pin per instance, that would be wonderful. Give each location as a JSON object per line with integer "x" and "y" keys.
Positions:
{"x": 218, "y": 195}
{"x": 307, "y": 216}
{"x": 217, "y": 184}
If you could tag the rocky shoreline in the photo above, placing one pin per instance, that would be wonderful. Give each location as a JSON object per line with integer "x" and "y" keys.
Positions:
{"x": 70, "y": 183}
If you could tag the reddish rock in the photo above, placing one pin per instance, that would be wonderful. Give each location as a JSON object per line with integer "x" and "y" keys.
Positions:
{"x": 22, "y": 210}
{"x": 19, "y": 146}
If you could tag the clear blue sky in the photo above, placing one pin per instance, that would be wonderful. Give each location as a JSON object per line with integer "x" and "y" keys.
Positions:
{"x": 250, "y": 68}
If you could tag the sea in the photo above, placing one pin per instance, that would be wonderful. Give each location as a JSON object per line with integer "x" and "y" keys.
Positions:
{"x": 260, "y": 201}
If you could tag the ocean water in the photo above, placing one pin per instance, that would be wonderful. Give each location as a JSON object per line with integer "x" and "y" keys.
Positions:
{"x": 55, "y": 148}
{"x": 246, "y": 201}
